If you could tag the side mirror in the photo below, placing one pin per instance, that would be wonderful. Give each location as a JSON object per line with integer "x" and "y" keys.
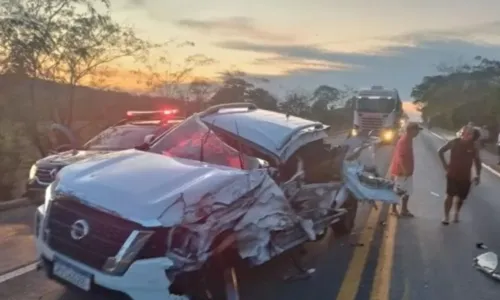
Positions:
{"x": 149, "y": 138}
{"x": 143, "y": 147}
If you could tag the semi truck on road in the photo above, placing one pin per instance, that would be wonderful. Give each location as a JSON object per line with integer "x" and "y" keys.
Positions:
{"x": 378, "y": 109}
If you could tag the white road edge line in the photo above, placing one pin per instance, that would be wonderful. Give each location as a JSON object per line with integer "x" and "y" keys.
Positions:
{"x": 18, "y": 272}
{"x": 491, "y": 169}
{"x": 495, "y": 172}
{"x": 438, "y": 136}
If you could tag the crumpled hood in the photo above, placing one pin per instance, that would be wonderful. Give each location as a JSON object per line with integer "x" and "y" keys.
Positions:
{"x": 69, "y": 157}
{"x": 142, "y": 186}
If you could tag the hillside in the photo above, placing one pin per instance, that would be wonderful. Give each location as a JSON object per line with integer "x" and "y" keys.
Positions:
{"x": 23, "y": 119}
{"x": 89, "y": 103}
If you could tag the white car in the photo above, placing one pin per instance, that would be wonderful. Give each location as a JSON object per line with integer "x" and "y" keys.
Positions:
{"x": 233, "y": 183}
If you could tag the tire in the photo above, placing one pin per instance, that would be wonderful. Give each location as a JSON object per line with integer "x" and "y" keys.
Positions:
{"x": 220, "y": 278}
{"x": 346, "y": 224}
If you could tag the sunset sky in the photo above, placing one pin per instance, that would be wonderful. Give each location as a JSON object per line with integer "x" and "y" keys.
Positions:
{"x": 302, "y": 44}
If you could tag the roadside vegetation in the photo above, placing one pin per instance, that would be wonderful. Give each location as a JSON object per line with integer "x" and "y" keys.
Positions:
{"x": 460, "y": 94}
{"x": 59, "y": 63}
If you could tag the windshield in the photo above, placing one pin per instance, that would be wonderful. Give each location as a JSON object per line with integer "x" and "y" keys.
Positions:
{"x": 185, "y": 141}
{"x": 120, "y": 137}
{"x": 382, "y": 105}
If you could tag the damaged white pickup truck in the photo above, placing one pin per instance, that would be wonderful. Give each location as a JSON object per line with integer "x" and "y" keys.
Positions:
{"x": 228, "y": 185}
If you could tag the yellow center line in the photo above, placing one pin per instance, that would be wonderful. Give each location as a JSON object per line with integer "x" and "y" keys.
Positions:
{"x": 352, "y": 278}
{"x": 383, "y": 273}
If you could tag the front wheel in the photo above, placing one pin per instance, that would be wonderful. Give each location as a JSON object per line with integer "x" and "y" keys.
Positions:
{"x": 346, "y": 223}
{"x": 220, "y": 278}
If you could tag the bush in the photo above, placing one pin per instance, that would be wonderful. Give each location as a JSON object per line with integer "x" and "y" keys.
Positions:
{"x": 11, "y": 148}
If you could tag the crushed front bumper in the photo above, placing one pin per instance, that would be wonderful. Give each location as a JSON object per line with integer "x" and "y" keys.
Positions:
{"x": 144, "y": 280}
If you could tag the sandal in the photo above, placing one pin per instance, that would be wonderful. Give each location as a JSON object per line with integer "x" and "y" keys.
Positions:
{"x": 407, "y": 214}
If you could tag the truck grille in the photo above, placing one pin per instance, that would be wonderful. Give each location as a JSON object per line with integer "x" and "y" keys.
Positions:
{"x": 43, "y": 175}
{"x": 370, "y": 123}
{"x": 105, "y": 238}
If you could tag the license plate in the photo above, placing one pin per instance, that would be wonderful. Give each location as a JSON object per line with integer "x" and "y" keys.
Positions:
{"x": 72, "y": 275}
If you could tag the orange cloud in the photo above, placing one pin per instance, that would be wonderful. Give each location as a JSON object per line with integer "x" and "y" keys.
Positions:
{"x": 409, "y": 107}
{"x": 412, "y": 111}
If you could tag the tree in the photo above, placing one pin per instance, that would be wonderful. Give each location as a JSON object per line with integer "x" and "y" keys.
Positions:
{"x": 166, "y": 77}
{"x": 324, "y": 98}
{"x": 89, "y": 46}
{"x": 326, "y": 94}
{"x": 234, "y": 88}
{"x": 169, "y": 78}
{"x": 200, "y": 91}
{"x": 262, "y": 98}
{"x": 237, "y": 88}
{"x": 297, "y": 104}
{"x": 10, "y": 157}
{"x": 66, "y": 41}
{"x": 459, "y": 94}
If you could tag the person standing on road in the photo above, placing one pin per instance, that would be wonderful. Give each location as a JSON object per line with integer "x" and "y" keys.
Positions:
{"x": 463, "y": 153}
{"x": 402, "y": 166}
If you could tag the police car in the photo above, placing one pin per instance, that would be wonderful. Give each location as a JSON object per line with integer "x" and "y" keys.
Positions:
{"x": 138, "y": 128}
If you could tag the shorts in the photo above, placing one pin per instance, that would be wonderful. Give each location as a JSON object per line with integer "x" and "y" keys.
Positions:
{"x": 403, "y": 186}
{"x": 457, "y": 187}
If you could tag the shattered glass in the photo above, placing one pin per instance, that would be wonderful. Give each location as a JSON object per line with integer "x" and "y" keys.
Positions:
{"x": 194, "y": 140}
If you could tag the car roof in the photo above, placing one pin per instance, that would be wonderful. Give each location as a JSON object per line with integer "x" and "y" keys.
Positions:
{"x": 270, "y": 130}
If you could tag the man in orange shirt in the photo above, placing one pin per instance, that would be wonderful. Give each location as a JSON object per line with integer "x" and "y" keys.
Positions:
{"x": 402, "y": 166}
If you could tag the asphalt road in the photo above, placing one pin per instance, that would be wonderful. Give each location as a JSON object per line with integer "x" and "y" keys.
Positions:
{"x": 385, "y": 258}
{"x": 432, "y": 261}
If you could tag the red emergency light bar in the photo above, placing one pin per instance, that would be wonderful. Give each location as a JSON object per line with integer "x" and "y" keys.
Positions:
{"x": 170, "y": 111}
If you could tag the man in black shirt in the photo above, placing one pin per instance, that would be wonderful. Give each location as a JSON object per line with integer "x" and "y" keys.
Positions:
{"x": 463, "y": 153}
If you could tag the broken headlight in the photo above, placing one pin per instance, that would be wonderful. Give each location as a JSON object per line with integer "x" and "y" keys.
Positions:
{"x": 118, "y": 264}
{"x": 178, "y": 241}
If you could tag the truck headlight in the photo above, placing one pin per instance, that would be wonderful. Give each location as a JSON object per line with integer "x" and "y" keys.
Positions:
{"x": 402, "y": 122}
{"x": 388, "y": 135}
{"x": 354, "y": 132}
{"x": 32, "y": 172}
